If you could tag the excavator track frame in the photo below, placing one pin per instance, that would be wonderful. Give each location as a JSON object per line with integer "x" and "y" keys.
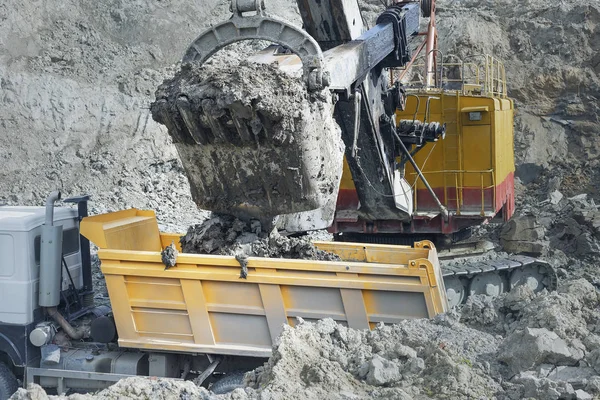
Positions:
{"x": 512, "y": 271}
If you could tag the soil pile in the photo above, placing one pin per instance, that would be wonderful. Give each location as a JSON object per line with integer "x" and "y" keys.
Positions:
{"x": 127, "y": 389}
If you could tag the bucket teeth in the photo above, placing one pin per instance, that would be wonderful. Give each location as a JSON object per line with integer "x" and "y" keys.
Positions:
{"x": 206, "y": 124}
{"x": 173, "y": 122}
{"x": 196, "y": 131}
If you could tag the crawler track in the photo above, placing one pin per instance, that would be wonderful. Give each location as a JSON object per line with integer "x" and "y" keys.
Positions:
{"x": 493, "y": 277}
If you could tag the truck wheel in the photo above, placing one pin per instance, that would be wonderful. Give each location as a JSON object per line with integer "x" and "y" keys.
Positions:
{"x": 8, "y": 382}
{"x": 426, "y": 8}
{"x": 229, "y": 383}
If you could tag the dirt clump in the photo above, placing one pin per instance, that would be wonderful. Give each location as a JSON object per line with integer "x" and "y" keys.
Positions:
{"x": 413, "y": 359}
{"x": 228, "y": 235}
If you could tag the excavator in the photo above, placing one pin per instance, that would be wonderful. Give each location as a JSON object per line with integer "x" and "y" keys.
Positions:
{"x": 424, "y": 159}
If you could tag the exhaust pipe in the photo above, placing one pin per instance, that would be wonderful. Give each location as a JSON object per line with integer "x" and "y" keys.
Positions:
{"x": 50, "y": 257}
{"x": 73, "y": 333}
{"x": 50, "y": 268}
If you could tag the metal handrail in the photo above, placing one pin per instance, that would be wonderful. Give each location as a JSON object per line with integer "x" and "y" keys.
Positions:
{"x": 459, "y": 188}
{"x": 489, "y": 73}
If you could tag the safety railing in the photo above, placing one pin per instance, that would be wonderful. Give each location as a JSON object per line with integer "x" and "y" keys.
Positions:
{"x": 457, "y": 177}
{"x": 480, "y": 74}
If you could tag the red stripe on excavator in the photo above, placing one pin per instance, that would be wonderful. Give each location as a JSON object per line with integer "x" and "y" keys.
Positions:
{"x": 471, "y": 202}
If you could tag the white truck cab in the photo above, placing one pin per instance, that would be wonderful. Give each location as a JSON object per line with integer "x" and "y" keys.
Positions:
{"x": 20, "y": 237}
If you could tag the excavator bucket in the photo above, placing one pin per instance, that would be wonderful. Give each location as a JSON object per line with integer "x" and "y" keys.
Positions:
{"x": 248, "y": 151}
{"x": 255, "y": 141}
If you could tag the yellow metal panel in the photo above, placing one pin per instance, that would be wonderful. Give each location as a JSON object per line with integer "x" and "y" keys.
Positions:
{"x": 504, "y": 143}
{"x": 158, "y": 321}
{"x": 354, "y": 307}
{"x": 233, "y": 329}
{"x": 346, "y": 182}
{"x": 386, "y": 305}
{"x": 232, "y": 293}
{"x": 119, "y": 301}
{"x": 475, "y": 109}
{"x": 311, "y": 302}
{"x": 144, "y": 291}
{"x": 198, "y": 311}
{"x": 274, "y": 308}
{"x": 477, "y": 154}
{"x": 167, "y": 238}
{"x": 373, "y": 253}
{"x": 125, "y": 230}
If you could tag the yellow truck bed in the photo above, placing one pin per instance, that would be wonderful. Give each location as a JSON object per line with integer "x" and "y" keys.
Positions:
{"x": 203, "y": 306}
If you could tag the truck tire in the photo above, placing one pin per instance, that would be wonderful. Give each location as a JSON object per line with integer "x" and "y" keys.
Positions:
{"x": 426, "y": 8}
{"x": 8, "y": 382}
{"x": 229, "y": 383}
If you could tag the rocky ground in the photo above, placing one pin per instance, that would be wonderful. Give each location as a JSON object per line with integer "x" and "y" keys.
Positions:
{"x": 76, "y": 83}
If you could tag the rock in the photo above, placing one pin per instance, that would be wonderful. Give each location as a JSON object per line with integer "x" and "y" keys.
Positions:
{"x": 593, "y": 359}
{"x": 593, "y": 384}
{"x": 523, "y": 235}
{"x": 33, "y": 392}
{"x": 592, "y": 342}
{"x": 533, "y": 387}
{"x": 169, "y": 256}
{"x": 544, "y": 370}
{"x": 382, "y": 371}
{"x": 579, "y": 197}
{"x": 583, "y": 395}
{"x": 528, "y": 172}
{"x": 565, "y": 389}
{"x": 518, "y": 297}
{"x": 556, "y": 197}
{"x": 587, "y": 245}
{"x": 524, "y": 349}
{"x": 405, "y": 351}
{"x": 576, "y": 376}
{"x": 414, "y": 365}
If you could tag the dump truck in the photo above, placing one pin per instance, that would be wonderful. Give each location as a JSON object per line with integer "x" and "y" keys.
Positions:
{"x": 196, "y": 320}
